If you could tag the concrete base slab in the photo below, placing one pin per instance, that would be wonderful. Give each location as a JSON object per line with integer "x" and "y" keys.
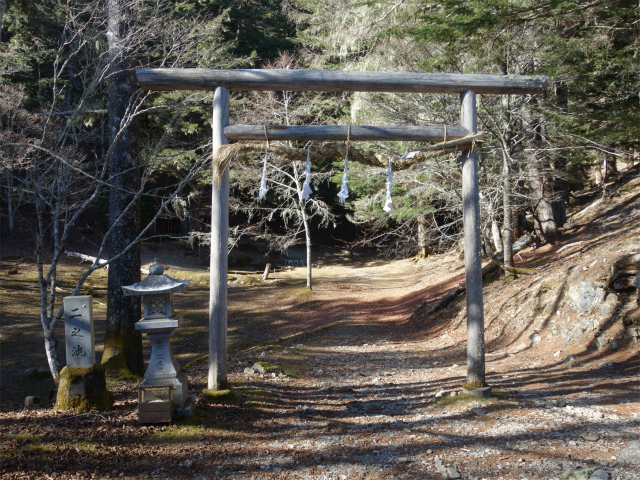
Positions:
{"x": 482, "y": 392}
{"x": 180, "y": 384}
{"x": 189, "y": 405}
{"x": 633, "y": 334}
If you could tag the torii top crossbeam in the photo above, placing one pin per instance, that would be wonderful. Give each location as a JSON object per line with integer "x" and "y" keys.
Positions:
{"x": 336, "y": 81}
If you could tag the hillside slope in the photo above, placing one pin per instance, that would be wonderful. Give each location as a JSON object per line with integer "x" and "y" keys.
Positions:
{"x": 571, "y": 310}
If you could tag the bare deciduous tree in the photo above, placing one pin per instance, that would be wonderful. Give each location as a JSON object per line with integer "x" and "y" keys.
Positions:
{"x": 285, "y": 180}
{"x": 285, "y": 177}
{"x": 61, "y": 172}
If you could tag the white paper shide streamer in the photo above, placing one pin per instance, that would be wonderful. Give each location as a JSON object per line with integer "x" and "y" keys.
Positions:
{"x": 343, "y": 194}
{"x": 263, "y": 184}
{"x": 388, "y": 201}
{"x": 306, "y": 188}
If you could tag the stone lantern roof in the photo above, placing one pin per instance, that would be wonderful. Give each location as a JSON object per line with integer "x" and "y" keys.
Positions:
{"x": 156, "y": 283}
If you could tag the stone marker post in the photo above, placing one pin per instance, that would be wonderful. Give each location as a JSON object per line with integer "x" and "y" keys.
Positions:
{"x": 78, "y": 330}
{"x": 83, "y": 384}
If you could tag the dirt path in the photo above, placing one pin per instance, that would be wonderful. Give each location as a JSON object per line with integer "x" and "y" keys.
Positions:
{"x": 370, "y": 394}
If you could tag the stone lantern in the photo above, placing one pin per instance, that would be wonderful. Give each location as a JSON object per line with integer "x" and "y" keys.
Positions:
{"x": 158, "y": 324}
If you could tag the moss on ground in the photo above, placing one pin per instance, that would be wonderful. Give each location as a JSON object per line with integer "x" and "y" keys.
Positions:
{"x": 260, "y": 398}
{"x": 21, "y": 443}
{"x": 226, "y": 397}
{"x": 203, "y": 358}
{"x": 198, "y": 421}
{"x": 459, "y": 400}
{"x": 290, "y": 372}
{"x": 179, "y": 433}
{"x": 268, "y": 368}
{"x": 192, "y": 428}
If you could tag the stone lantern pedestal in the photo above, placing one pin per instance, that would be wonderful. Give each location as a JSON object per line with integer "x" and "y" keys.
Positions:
{"x": 164, "y": 370}
{"x": 158, "y": 324}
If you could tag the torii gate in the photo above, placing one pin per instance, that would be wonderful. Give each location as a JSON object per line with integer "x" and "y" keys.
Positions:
{"x": 221, "y": 81}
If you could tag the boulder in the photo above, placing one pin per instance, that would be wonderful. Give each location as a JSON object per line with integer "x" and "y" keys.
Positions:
{"x": 585, "y": 474}
{"x": 523, "y": 242}
{"x": 535, "y": 339}
{"x": 630, "y": 455}
{"x": 599, "y": 474}
{"x": 83, "y": 389}
{"x": 582, "y": 296}
{"x": 258, "y": 368}
{"x": 625, "y": 272}
{"x": 599, "y": 343}
{"x": 608, "y": 307}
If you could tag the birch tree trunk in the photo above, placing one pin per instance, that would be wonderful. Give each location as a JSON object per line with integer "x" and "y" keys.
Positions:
{"x": 507, "y": 213}
{"x": 507, "y": 207}
{"x": 560, "y": 161}
{"x": 307, "y": 227}
{"x": 541, "y": 184}
{"x": 307, "y": 233}
{"x": 50, "y": 344}
{"x": 123, "y": 345}
{"x": 423, "y": 244}
{"x": 496, "y": 235}
{"x": 46, "y": 319}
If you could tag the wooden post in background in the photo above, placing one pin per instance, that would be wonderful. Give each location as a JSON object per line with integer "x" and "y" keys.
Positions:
{"x": 472, "y": 255}
{"x": 219, "y": 245}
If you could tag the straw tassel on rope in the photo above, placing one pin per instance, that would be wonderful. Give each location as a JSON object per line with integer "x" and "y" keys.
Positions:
{"x": 387, "y": 204}
{"x": 262, "y": 191}
{"x": 306, "y": 188}
{"x": 343, "y": 194}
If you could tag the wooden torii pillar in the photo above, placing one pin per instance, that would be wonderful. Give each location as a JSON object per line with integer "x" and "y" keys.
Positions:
{"x": 221, "y": 81}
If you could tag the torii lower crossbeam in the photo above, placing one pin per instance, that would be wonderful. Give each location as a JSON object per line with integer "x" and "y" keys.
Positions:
{"x": 356, "y": 133}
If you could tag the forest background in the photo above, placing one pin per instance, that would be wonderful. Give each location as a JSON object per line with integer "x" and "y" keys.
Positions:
{"x": 82, "y": 146}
